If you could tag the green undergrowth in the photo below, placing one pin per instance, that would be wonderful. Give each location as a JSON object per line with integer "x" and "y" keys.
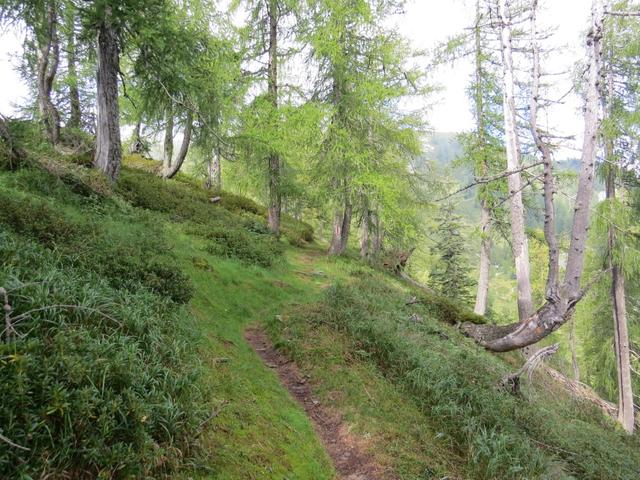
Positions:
{"x": 453, "y": 384}
{"x": 128, "y": 358}
{"x": 109, "y": 374}
{"x": 98, "y": 374}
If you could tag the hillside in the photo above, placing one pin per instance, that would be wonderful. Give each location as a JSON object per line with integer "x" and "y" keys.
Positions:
{"x": 124, "y": 353}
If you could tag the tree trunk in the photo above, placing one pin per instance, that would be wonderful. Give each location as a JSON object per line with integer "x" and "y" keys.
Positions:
{"x": 364, "y": 231}
{"x": 626, "y": 415}
{"x": 275, "y": 197}
{"x": 548, "y": 178}
{"x": 346, "y": 226}
{"x": 519, "y": 241}
{"x": 217, "y": 171}
{"x": 574, "y": 353}
{"x": 75, "y": 115}
{"x": 184, "y": 148}
{"x": 378, "y": 234}
{"x": 482, "y": 292}
{"x": 108, "y": 156}
{"x": 557, "y": 310}
{"x": 341, "y": 229}
{"x": 168, "y": 139}
{"x": 136, "y": 142}
{"x": 485, "y": 260}
{"x": 48, "y": 58}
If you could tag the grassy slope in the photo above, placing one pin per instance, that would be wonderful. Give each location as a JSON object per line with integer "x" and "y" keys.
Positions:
{"x": 260, "y": 433}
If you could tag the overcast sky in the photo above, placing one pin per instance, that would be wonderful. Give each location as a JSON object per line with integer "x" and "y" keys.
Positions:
{"x": 426, "y": 23}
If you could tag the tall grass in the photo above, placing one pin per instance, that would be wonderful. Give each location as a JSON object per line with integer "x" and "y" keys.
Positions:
{"x": 541, "y": 435}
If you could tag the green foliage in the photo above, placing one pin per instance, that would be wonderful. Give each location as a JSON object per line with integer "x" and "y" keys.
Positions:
{"x": 101, "y": 379}
{"x": 252, "y": 248}
{"x": 450, "y": 274}
{"x": 122, "y": 256}
{"x": 454, "y": 384}
{"x": 35, "y": 218}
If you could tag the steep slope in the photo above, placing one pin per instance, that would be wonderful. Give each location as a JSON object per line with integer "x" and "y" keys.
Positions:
{"x": 142, "y": 369}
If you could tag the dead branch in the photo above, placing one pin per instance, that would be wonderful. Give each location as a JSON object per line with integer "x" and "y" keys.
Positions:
{"x": 511, "y": 382}
{"x": 13, "y": 444}
{"x": 492, "y": 178}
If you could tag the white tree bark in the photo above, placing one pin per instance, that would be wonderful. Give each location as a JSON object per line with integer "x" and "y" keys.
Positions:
{"x": 519, "y": 243}
{"x": 557, "y": 311}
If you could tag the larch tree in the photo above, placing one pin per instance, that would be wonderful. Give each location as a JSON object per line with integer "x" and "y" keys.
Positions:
{"x": 271, "y": 22}
{"x": 42, "y": 21}
{"x": 561, "y": 296}
{"x": 362, "y": 77}
{"x": 620, "y": 137}
{"x": 519, "y": 241}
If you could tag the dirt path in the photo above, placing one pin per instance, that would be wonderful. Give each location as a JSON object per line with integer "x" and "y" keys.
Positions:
{"x": 346, "y": 451}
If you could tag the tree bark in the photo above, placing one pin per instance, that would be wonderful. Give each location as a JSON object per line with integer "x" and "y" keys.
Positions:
{"x": 364, "y": 230}
{"x": 485, "y": 260}
{"x": 556, "y": 311}
{"x": 341, "y": 228}
{"x": 346, "y": 226}
{"x": 626, "y": 414}
{"x": 574, "y": 353}
{"x": 184, "y": 148}
{"x": 275, "y": 196}
{"x": 168, "y": 139}
{"x": 48, "y": 59}
{"x": 482, "y": 291}
{"x": 75, "y": 114}
{"x": 378, "y": 234}
{"x": 548, "y": 178}
{"x": 519, "y": 241}
{"x": 108, "y": 156}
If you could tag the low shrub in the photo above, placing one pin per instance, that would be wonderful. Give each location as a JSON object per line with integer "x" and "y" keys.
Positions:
{"x": 35, "y": 218}
{"x": 127, "y": 257}
{"x": 250, "y": 248}
{"x": 95, "y": 382}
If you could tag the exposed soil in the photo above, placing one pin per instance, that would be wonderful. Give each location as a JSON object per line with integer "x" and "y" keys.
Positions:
{"x": 345, "y": 449}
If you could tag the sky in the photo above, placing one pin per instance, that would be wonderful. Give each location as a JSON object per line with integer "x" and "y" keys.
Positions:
{"x": 426, "y": 23}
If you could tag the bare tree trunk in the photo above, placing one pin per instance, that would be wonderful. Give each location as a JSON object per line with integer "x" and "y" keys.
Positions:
{"x": 48, "y": 58}
{"x": 574, "y": 353}
{"x": 341, "y": 228}
{"x": 335, "y": 248}
{"x": 75, "y": 114}
{"x": 482, "y": 292}
{"x": 346, "y": 226}
{"x": 485, "y": 260}
{"x": 548, "y": 178}
{"x": 217, "y": 171}
{"x": 136, "y": 143}
{"x": 364, "y": 230}
{"x": 519, "y": 241}
{"x": 378, "y": 234}
{"x": 168, "y": 139}
{"x": 275, "y": 196}
{"x": 108, "y": 156}
{"x": 557, "y": 311}
{"x": 184, "y": 148}
{"x": 626, "y": 415}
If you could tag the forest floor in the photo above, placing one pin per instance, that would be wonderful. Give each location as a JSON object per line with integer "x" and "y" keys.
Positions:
{"x": 319, "y": 368}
